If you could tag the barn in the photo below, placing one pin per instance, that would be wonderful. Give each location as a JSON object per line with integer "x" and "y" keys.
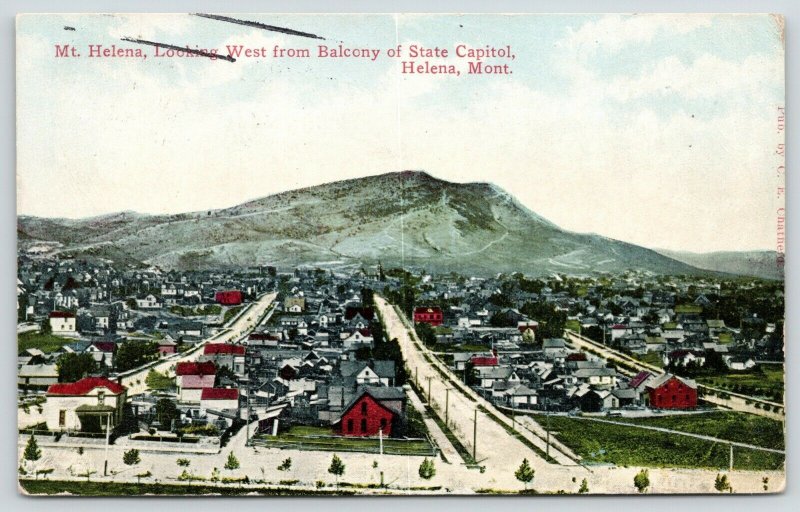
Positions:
{"x": 372, "y": 410}
{"x": 672, "y": 392}
{"x": 229, "y": 297}
{"x": 428, "y": 315}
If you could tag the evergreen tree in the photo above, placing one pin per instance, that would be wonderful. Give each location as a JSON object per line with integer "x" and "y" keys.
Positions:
{"x": 642, "y": 480}
{"x": 131, "y": 457}
{"x": 525, "y": 473}
{"x": 232, "y": 462}
{"x": 336, "y": 468}
{"x": 32, "y": 451}
{"x": 427, "y": 470}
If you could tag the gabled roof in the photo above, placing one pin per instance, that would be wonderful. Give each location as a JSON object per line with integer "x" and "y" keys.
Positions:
{"x": 223, "y": 348}
{"x": 219, "y": 394}
{"x": 640, "y": 377}
{"x": 84, "y": 386}
{"x": 62, "y": 314}
{"x": 190, "y": 368}
{"x": 663, "y": 379}
{"x": 351, "y": 312}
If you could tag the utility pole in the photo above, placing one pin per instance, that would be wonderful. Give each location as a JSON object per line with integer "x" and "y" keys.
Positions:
{"x": 429, "y": 388}
{"x": 731, "y": 461}
{"x": 108, "y": 433}
{"x": 475, "y": 435}
{"x": 547, "y": 415}
{"x": 416, "y": 377}
{"x": 447, "y": 406}
{"x": 380, "y": 440}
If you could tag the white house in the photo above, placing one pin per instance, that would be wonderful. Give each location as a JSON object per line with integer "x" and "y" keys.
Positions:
{"x": 63, "y": 322}
{"x": 88, "y": 405}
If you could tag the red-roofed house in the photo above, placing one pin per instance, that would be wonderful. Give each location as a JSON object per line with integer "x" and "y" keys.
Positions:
{"x": 672, "y": 392}
{"x": 193, "y": 378}
{"x": 428, "y": 315}
{"x": 87, "y": 405}
{"x": 225, "y": 354}
{"x": 229, "y": 297}
{"x": 219, "y": 399}
{"x": 484, "y": 360}
{"x": 63, "y": 322}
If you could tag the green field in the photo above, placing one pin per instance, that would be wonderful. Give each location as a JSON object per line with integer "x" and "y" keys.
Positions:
{"x": 44, "y": 342}
{"x": 732, "y": 426}
{"x": 123, "y": 489}
{"x": 230, "y": 313}
{"x": 209, "y": 309}
{"x": 652, "y": 358}
{"x": 321, "y": 438}
{"x": 630, "y": 446}
{"x": 764, "y": 381}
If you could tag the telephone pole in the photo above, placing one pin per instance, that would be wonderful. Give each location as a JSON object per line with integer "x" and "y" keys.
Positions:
{"x": 429, "y": 388}
{"x": 731, "y": 459}
{"x": 475, "y": 435}
{"x": 447, "y": 406}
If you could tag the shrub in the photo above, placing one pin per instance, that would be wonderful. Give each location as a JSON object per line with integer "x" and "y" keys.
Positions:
{"x": 285, "y": 465}
{"x": 584, "y": 487}
{"x": 131, "y": 457}
{"x": 427, "y": 470}
{"x": 232, "y": 462}
{"x": 183, "y": 462}
{"x": 642, "y": 480}
{"x": 525, "y": 473}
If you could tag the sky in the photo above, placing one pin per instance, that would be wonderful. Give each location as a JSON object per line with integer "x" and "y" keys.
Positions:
{"x": 658, "y": 130}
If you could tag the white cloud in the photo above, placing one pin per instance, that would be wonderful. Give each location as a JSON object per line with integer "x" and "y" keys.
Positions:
{"x": 613, "y": 32}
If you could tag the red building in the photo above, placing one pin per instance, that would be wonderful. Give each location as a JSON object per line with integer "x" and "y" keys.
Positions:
{"x": 229, "y": 297}
{"x": 672, "y": 392}
{"x": 374, "y": 409}
{"x": 428, "y": 315}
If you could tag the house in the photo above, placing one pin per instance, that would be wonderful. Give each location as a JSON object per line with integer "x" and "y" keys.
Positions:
{"x": 228, "y": 297}
{"x": 87, "y": 405}
{"x": 520, "y": 396}
{"x": 63, "y": 322}
{"x": 359, "y": 337}
{"x": 294, "y": 304}
{"x": 359, "y": 318}
{"x": 166, "y": 347}
{"x": 36, "y": 375}
{"x": 225, "y": 354}
{"x": 219, "y": 399}
{"x": 429, "y": 315}
{"x": 373, "y": 410}
{"x": 192, "y": 378}
{"x": 149, "y": 301}
{"x": 102, "y": 352}
{"x": 739, "y": 363}
{"x": 672, "y": 392}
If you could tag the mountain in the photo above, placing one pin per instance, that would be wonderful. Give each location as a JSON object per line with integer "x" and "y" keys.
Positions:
{"x": 399, "y": 218}
{"x": 763, "y": 264}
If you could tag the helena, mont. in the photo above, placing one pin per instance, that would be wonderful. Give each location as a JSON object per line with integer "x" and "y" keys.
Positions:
{"x": 426, "y": 68}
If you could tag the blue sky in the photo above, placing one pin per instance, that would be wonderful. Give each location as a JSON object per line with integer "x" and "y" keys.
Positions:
{"x": 653, "y": 129}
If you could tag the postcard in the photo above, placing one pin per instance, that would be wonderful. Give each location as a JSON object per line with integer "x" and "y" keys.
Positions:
{"x": 400, "y": 254}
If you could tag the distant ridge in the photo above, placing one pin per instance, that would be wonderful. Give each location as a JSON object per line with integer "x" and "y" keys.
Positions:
{"x": 463, "y": 227}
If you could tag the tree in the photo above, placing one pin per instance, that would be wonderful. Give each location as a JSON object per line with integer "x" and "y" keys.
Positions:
{"x": 166, "y": 412}
{"x": 336, "y": 468}
{"x": 425, "y": 333}
{"x": 584, "y": 487}
{"x": 232, "y": 462}
{"x": 32, "y": 452}
{"x": 131, "y": 457}
{"x": 642, "y": 480}
{"x": 45, "y": 326}
{"x": 156, "y": 380}
{"x": 135, "y": 353}
{"x": 427, "y": 470}
{"x": 73, "y": 367}
{"x": 367, "y": 297}
{"x": 721, "y": 483}
{"x": 525, "y": 473}
{"x": 285, "y": 465}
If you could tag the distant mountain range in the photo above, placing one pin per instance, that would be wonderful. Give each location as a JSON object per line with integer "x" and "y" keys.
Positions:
{"x": 408, "y": 218}
{"x": 763, "y": 264}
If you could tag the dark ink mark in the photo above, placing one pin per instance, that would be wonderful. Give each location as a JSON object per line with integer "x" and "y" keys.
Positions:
{"x": 69, "y": 28}
{"x": 201, "y": 53}
{"x": 256, "y": 24}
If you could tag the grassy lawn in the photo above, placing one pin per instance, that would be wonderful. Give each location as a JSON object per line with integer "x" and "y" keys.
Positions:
{"x": 764, "y": 381}
{"x": 208, "y": 309}
{"x": 320, "y": 438}
{"x": 628, "y": 446}
{"x": 44, "y": 342}
{"x": 125, "y": 489}
{"x": 439, "y": 347}
{"x": 230, "y": 313}
{"x": 573, "y": 325}
{"x": 733, "y": 426}
{"x": 652, "y": 358}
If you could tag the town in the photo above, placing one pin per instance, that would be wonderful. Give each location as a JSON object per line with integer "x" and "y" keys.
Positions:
{"x": 142, "y": 374}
